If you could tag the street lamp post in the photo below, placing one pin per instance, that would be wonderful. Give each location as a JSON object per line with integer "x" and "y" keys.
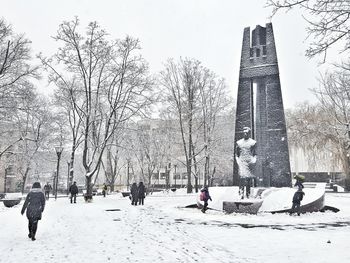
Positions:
{"x": 175, "y": 165}
{"x": 68, "y": 174}
{"x": 58, "y": 150}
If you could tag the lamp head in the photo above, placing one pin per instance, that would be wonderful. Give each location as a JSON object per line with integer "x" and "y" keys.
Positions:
{"x": 59, "y": 150}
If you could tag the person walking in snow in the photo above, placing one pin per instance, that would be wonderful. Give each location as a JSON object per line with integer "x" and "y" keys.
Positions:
{"x": 134, "y": 194}
{"x": 297, "y": 198}
{"x": 73, "y": 189}
{"x": 47, "y": 189}
{"x": 206, "y": 197}
{"x": 34, "y": 204}
{"x": 141, "y": 193}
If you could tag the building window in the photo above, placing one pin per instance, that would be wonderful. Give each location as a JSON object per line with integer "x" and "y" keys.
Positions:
{"x": 257, "y": 52}
{"x": 264, "y": 50}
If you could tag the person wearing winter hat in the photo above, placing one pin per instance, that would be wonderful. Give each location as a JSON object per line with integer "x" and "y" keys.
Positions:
{"x": 34, "y": 204}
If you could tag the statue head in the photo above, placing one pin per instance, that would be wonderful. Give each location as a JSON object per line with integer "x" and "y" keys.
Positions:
{"x": 246, "y": 132}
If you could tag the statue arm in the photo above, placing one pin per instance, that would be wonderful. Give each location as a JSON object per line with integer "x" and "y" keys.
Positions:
{"x": 253, "y": 150}
{"x": 238, "y": 150}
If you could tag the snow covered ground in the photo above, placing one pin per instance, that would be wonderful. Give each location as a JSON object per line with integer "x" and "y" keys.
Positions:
{"x": 164, "y": 231}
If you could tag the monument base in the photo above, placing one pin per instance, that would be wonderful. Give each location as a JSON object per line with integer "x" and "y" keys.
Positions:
{"x": 268, "y": 200}
{"x": 243, "y": 206}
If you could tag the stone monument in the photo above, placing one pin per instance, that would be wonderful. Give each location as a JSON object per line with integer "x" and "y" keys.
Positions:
{"x": 260, "y": 107}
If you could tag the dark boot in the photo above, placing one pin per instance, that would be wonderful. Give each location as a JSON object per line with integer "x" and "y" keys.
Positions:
{"x": 34, "y": 228}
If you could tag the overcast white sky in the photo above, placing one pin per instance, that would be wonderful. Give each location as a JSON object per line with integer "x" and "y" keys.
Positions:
{"x": 208, "y": 30}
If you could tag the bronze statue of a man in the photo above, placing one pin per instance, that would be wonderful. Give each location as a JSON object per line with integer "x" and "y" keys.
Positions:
{"x": 246, "y": 159}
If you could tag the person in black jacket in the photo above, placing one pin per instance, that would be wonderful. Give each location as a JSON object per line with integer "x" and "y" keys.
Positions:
{"x": 34, "y": 204}
{"x": 298, "y": 196}
{"x": 73, "y": 189}
{"x": 104, "y": 190}
{"x": 141, "y": 193}
{"x": 134, "y": 194}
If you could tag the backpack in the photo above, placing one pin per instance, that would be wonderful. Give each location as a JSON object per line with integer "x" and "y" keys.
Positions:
{"x": 202, "y": 196}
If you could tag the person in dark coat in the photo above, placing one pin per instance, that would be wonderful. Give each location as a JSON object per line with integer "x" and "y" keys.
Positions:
{"x": 73, "y": 189}
{"x": 141, "y": 193}
{"x": 206, "y": 198}
{"x": 298, "y": 196}
{"x": 134, "y": 194}
{"x": 104, "y": 190}
{"x": 34, "y": 204}
{"x": 47, "y": 189}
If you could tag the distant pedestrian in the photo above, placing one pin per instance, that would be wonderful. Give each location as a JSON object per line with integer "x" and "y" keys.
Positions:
{"x": 134, "y": 194}
{"x": 141, "y": 193}
{"x": 73, "y": 189}
{"x": 297, "y": 198}
{"x": 104, "y": 190}
{"x": 34, "y": 204}
{"x": 205, "y": 197}
{"x": 47, "y": 189}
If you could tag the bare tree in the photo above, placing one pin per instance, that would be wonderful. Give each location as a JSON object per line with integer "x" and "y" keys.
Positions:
{"x": 325, "y": 127}
{"x": 64, "y": 101}
{"x": 334, "y": 96}
{"x": 181, "y": 83}
{"x": 115, "y": 161}
{"x": 34, "y": 122}
{"x": 15, "y": 72}
{"x": 328, "y": 22}
{"x": 112, "y": 78}
{"x": 213, "y": 101}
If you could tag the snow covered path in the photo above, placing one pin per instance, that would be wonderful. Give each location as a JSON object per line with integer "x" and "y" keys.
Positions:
{"x": 163, "y": 231}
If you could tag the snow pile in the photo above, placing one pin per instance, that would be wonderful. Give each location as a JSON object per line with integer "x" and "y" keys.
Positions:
{"x": 112, "y": 230}
{"x": 13, "y": 196}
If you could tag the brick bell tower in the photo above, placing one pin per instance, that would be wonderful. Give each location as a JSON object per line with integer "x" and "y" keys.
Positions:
{"x": 260, "y": 107}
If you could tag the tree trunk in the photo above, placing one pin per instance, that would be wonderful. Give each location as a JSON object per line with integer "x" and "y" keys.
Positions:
{"x": 89, "y": 185}
{"x": 71, "y": 166}
{"x": 24, "y": 179}
{"x": 346, "y": 169}
{"x": 190, "y": 153}
{"x": 195, "y": 170}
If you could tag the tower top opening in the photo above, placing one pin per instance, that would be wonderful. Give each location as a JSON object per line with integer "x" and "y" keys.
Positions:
{"x": 259, "y": 36}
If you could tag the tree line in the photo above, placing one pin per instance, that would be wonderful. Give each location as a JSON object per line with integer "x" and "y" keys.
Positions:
{"x": 104, "y": 91}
